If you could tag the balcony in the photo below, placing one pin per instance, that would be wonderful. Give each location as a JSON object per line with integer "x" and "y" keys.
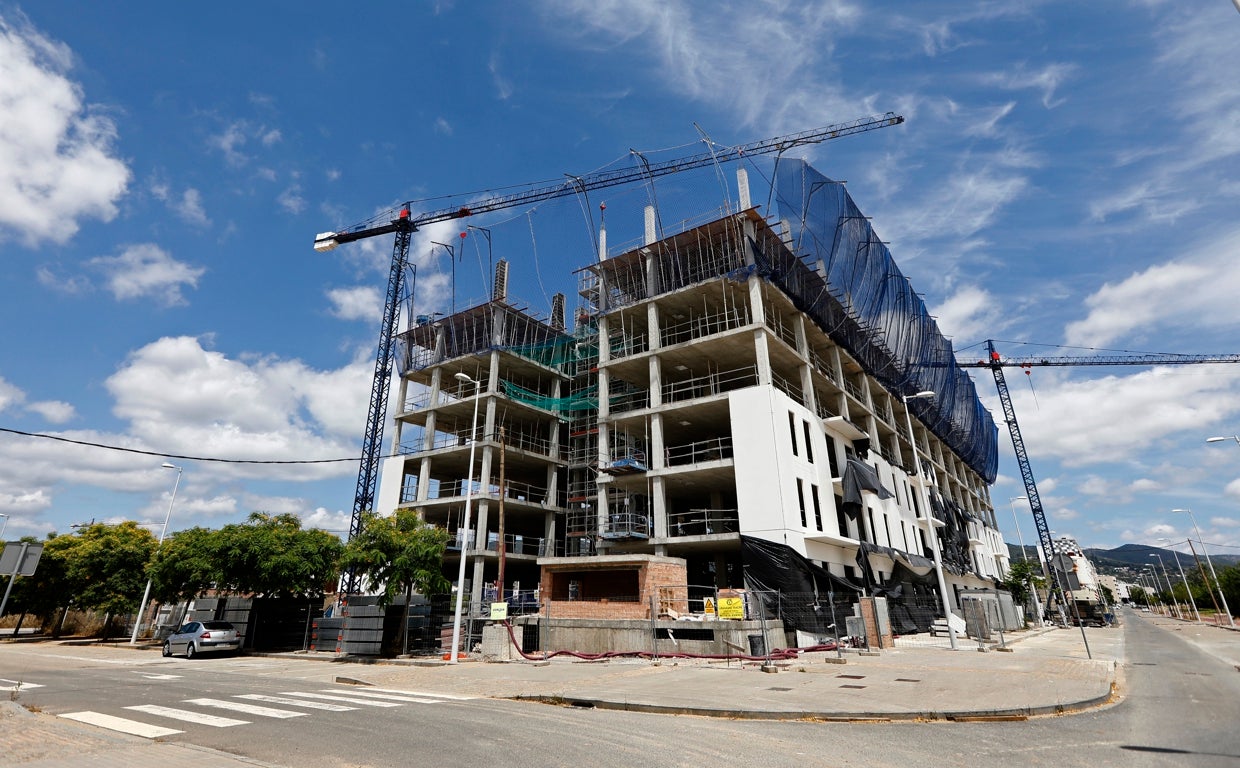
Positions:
{"x": 713, "y": 449}
{"x": 516, "y": 544}
{"x": 703, "y": 522}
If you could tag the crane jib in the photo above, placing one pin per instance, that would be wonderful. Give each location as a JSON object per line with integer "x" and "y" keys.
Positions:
{"x": 604, "y": 179}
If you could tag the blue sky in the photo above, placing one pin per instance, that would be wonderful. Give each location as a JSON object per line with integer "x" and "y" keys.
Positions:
{"x": 1067, "y": 175}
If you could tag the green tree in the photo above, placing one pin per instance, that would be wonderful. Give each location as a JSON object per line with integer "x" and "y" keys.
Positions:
{"x": 185, "y": 566}
{"x": 398, "y": 554}
{"x": 1107, "y": 594}
{"x": 99, "y": 567}
{"x": 106, "y": 567}
{"x": 1019, "y": 577}
{"x": 1138, "y": 596}
{"x": 271, "y": 556}
{"x": 1229, "y": 582}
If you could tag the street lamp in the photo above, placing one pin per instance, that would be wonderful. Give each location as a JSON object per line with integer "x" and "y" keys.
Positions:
{"x": 925, "y": 499}
{"x": 1175, "y": 604}
{"x": 469, "y": 495}
{"x": 133, "y": 639}
{"x": 1037, "y": 608}
{"x": 2, "y": 527}
{"x": 1183, "y": 578}
{"x": 1213, "y": 575}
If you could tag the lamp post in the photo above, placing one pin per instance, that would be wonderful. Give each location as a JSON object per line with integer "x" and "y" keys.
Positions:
{"x": 1037, "y": 608}
{"x": 469, "y": 497}
{"x": 1175, "y": 604}
{"x": 925, "y": 499}
{"x": 146, "y": 593}
{"x": 1213, "y": 575}
{"x": 1183, "y": 578}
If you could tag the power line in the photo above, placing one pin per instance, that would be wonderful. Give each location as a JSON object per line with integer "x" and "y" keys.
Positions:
{"x": 183, "y": 457}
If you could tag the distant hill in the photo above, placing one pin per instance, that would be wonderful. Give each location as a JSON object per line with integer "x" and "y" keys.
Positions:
{"x": 1132, "y": 556}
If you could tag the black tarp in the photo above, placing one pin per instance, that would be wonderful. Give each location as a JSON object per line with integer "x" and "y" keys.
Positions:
{"x": 859, "y": 477}
{"x": 790, "y": 586}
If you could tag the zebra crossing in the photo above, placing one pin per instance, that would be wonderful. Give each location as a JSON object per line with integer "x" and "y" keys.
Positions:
{"x": 206, "y": 711}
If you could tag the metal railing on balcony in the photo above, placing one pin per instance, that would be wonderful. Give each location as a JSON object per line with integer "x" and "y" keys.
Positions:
{"x": 626, "y": 344}
{"x": 697, "y": 452}
{"x": 626, "y": 525}
{"x": 516, "y": 544}
{"x": 853, "y": 389}
{"x": 711, "y": 384}
{"x": 784, "y": 330}
{"x": 630, "y": 401}
{"x": 702, "y": 326}
{"x": 788, "y": 388}
{"x": 703, "y": 522}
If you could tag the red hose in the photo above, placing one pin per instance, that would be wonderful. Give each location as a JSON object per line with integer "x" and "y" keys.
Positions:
{"x": 779, "y": 654}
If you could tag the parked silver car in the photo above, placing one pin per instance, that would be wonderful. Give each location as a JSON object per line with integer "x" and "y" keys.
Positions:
{"x": 203, "y": 637}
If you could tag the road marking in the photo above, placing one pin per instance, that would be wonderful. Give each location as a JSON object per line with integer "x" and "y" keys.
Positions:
{"x": 132, "y": 727}
{"x": 214, "y": 721}
{"x": 427, "y": 694}
{"x": 16, "y": 686}
{"x": 370, "y": 694}
{"x": 346, "y": 699}
{"x": 249, "y": 709}
{"x": 296, "y": 702}
{"x": 157, "y": 677}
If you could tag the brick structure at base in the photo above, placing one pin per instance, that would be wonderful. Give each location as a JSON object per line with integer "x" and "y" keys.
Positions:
{"x": 613, "y": 586}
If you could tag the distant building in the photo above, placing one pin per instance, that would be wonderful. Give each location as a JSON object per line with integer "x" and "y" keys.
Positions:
{"x": 742, "y": 379}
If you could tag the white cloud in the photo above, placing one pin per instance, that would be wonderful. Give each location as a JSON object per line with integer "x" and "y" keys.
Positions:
{"x": 56, "y": 162}
{"x": 291, "y": 199}
{"x": 1170, "y": 294}
{"x": 1046, "y": 80}
{"x": 1224, "y": 522}
{"x": 270, "y": 137}
{"x": 230, "y": 142}
{"x": 187, "y": 399}
{"x": 53, "y": 411}
{"x": 189, "y": 207}
{"x": 1115, "y": 419}
{"x": 442, "y": 126}
{"x": 146, "y": 271}
{"x": 971, "y": 312}
{"x": 12, "y": 398}
{"x": 503, "y": 86}
{"x": 715, "y": 58}
{"x": 356, "y": 303}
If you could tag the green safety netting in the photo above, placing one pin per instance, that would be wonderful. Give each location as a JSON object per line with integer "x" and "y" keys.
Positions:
{"x": 586, "y": 400}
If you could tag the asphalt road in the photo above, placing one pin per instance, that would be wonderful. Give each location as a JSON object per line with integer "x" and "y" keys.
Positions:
{"x": 1181, "y": 708}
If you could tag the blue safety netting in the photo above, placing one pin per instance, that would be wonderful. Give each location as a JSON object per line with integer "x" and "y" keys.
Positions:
{"x": 868, "y": 306}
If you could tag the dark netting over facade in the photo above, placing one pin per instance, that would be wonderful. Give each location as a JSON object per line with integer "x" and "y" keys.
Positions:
{"x": 883, "y": 323}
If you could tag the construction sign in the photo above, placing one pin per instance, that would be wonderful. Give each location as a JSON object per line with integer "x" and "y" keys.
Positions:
{"x": 731, "y": 608}
{"x": 499, "y": 611}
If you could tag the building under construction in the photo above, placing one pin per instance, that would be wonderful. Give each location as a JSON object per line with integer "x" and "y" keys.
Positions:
{"x": 737, "y": 394}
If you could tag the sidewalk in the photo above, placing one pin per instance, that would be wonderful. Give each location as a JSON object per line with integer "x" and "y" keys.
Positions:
{"x": 1046, "y": 672}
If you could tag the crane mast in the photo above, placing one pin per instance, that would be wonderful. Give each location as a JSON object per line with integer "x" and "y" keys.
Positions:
{"x": 996, "y": 364}
{"x": 403, "y": 223}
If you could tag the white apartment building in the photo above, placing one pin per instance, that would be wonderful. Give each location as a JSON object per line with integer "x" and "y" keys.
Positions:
{"x": 720, "y": 383}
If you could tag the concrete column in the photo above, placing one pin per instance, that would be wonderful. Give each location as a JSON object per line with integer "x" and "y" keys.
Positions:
{"x": 742, "y": 188}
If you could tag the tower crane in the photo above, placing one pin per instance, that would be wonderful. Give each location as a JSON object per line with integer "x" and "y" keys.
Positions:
{"x": 403, "y": 222}
{"x": 996, "y": 363}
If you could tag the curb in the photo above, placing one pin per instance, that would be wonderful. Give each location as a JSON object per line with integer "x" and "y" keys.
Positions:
{"x": 962, "y": 716}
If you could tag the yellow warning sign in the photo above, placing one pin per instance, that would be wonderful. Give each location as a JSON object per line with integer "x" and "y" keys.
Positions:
{"x": 499, "y": 611}
{"x": 731, "y": 608}
{"x": 709, "y": 605}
